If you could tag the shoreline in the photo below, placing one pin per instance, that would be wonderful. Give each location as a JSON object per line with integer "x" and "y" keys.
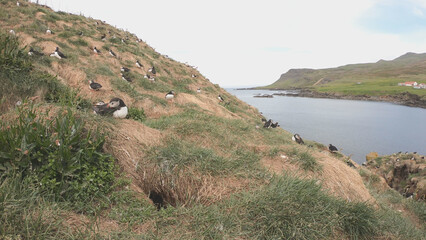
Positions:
{"x": 405, "y": 98}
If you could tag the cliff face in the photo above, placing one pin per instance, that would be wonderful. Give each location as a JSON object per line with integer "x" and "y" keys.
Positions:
{"x": 405, "y": 173}
{"x": 195, "y": 153}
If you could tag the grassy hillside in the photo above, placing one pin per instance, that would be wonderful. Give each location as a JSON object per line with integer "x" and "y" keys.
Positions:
{"x": 66, "y": 173}
{"x": 373, "y": 79}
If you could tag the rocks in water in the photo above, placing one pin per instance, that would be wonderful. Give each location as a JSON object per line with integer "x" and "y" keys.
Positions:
{"x": 264, "y": 96}
{"x": 371, "y": 156}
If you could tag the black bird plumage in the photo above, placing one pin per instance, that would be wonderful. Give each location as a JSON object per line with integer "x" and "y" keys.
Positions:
{"x": 124, "y": 69}
{"x": 33, "y": 52}
{"x": 332, "y": 148}
{"x": 95, "y": 86}
{"x": 298, "y": 139}
{"x": 112, "y": 53}
{"x": 152, "y": 70}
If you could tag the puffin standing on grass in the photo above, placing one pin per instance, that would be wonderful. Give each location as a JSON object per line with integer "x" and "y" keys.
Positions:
{"x": 94, "y": 86}
{"x": 57, "y": 54}
{"x": 115, "y": 107}
{"x": 125, "y": 77}
{"x": 296, "y": 137}
{"x": 138, "y": 64}
{"x": 220, "y": 98}
{"x": 112, "y": 53}
{"x": 95, "y": 50}
{"x": 170, "y": 95}
{"x": 152, "y": 70}
{"x": 332, "y": 148}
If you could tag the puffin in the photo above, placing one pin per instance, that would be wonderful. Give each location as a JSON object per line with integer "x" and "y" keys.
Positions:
{"x": 220, "y": 98}
{"x": 33, "y": 52}
{"x": 103, "y": 37}
{"x": 12, "y": 32}
{"x": 112, "y": 53}
{"x": 193, "y": 75}
{"x": 198, "y": 90}
{"x": 146, "y": 76}
{"x": 115, "y": 107}
{"x": 152, "y": 79}
{"x": 274, "y": 125}
{"x": 152, "y": 70}
{"x": 138, "y": 64}
{"x": 124, "y": 69}
{"x": 170, "y": 95}
{"x": 48, "y": 31}
{"x": 80, "y": 33}
{"x": 296, "y": 137}
{"x": 332, "y": 148}
{"x": 57, "y": 54}
{"x": 95, "y": 50}
{"x": 94, "y": 86}
{"x": 268, "y": 124}
{"x": 124, "y": 77}
{"x": 17, "y": 3}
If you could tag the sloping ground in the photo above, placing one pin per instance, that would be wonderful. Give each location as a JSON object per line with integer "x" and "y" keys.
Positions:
{"x": 200, "y": 155}
{"x": 335, "y": 175}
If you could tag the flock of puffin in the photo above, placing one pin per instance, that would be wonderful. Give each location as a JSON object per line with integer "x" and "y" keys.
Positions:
{"x": 296, "y": 137}
{"x": 118, "y": 109}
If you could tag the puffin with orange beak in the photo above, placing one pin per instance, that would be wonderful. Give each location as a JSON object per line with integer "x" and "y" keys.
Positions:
{"x": 115, "y": 107}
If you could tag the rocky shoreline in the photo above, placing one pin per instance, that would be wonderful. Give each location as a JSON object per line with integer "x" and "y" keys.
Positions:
{"x": 405, "y": 98}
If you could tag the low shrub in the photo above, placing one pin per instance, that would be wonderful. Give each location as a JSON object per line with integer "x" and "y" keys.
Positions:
{"x": 58, "y": 153}
{"x": 136, "y": 114}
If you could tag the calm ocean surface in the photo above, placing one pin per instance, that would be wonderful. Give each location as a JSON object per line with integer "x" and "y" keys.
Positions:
{"x": 354, "y": 127}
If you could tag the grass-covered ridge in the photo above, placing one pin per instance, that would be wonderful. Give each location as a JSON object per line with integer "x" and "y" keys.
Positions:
{"x": 68, "y": 174}
{"x": 371, "y": 79}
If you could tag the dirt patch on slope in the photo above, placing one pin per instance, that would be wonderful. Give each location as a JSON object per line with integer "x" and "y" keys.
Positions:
{"x": 128, "y": 142}
{"x": 337, "y": 177}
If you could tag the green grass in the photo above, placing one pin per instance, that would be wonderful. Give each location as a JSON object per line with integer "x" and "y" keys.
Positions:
{"x": 371, "y": 87}
{"x": 26, "y": 214}
{"x": 78, "y": 42}
{"x": 306, "y": 161}
{"x": 286, "y": 208}
{"x": 178, "y": 154}
{"x": 213, "y": 129}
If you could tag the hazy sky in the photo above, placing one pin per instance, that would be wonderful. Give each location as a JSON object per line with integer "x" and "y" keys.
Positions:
{"x": 251, "y": 43}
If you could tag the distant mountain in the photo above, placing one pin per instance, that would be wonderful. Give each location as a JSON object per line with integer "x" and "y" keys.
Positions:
{"x": 377, "y": 76}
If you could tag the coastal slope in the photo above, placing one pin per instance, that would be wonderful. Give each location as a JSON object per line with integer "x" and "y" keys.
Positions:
{"x": 191, "y": 167}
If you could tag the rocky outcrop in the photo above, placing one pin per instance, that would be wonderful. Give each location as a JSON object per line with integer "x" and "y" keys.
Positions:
{"x": 405, "y": 173}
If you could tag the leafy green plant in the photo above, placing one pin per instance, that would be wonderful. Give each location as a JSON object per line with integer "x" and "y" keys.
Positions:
{"x": 13, "y": 59}
{"x": 58, "y": 153}
{"x": 136, "y": 114}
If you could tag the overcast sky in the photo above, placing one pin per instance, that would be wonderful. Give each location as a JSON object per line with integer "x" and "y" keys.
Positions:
{"x": 251, "y": 42}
